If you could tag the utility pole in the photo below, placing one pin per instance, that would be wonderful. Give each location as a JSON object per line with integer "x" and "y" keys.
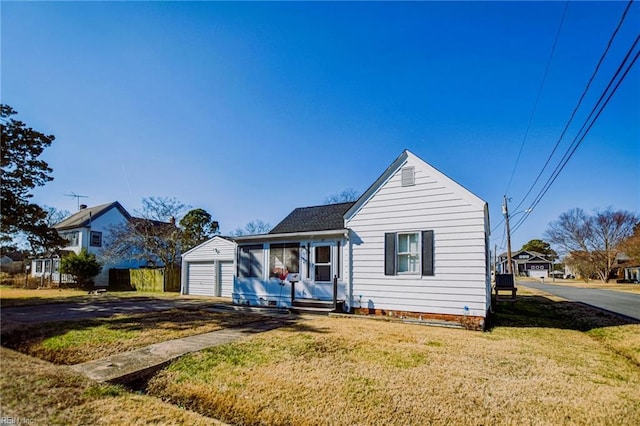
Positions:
{"x": 505, "y": 211}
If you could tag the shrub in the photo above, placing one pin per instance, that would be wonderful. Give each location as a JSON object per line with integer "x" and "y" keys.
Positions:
{"x": 83, "y": 267}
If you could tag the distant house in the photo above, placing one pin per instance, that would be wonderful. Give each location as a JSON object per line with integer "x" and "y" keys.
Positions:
{"x": 527, "y": 263}
{"x": 415, "y": 244}
{"x": 12, "y": 263}
{"x": 86, "y": 229}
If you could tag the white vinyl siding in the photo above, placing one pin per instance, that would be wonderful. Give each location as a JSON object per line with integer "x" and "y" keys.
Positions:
{"x": 227, "y": 272}
{"x": 434, "y": 203}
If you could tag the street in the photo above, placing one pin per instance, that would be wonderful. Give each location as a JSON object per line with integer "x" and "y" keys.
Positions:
{"x": 616, "y": 301}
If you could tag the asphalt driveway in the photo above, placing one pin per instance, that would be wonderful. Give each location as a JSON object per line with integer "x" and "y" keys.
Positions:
{"x": 615, "y": 301}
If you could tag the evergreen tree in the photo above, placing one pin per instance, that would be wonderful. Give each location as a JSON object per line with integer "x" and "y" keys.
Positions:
{"x": 83, "y": 267}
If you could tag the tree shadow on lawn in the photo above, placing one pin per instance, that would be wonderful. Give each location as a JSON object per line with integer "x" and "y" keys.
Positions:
{"x": 539, "y": 311}
{"x": 164, "y": 325}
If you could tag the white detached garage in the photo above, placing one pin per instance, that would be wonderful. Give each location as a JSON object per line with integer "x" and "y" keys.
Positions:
{"x": 208, "y": 269}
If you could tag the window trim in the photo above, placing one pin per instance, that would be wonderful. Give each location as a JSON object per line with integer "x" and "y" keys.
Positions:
{"x": 283, "y": 247}
{"x": 95, "y": 234}
{"x": 259, "y": 260}
{"x": 408, "y": 253}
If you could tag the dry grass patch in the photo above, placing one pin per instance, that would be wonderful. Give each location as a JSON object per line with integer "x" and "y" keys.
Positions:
{"x": 39, "y": 393}
{"x": 73, "y": 342}
{"x": 14, "y": 296}
{"x": 348, "y": 371}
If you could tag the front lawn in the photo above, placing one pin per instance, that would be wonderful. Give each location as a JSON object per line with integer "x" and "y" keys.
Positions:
{"x": 541, "y": 363}
{"x": 35, "y": 392}
{"x": 73, "y": 342}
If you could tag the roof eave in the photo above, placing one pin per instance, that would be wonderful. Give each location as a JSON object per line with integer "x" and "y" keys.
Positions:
{"x": 343, "y": 232}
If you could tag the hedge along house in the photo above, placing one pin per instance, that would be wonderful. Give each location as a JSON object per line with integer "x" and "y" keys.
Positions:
{"x": 415, "y": 244}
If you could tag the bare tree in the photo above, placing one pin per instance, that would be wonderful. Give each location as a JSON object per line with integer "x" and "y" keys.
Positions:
{"x": 631, "y": 245}
{"x": 255, "y": 227}
{"x": 152, "y": 237}
{"x": 592, "y": 241}
{"x": 345, "y": 196}
{"x": 54, "y": 215}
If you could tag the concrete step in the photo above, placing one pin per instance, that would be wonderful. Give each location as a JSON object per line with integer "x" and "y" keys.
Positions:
{"x": 312, "y": 303}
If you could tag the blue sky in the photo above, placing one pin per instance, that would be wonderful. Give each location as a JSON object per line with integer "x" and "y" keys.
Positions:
{"x": 249, "y": 110}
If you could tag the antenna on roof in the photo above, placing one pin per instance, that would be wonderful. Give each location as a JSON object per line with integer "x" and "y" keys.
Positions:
{"x": 77, "y": 197}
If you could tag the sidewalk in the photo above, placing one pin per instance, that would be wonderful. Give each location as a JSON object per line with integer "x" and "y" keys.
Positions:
{"x": 130, "y": 365}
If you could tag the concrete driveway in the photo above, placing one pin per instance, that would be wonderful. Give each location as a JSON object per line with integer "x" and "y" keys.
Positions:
{"x": 615, "y": 301}
{"x": 22, "y": 315}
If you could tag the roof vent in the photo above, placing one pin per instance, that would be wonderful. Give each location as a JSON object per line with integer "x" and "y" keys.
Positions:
{"x": 83, "y": 206}
{"x": 408, "y": 176}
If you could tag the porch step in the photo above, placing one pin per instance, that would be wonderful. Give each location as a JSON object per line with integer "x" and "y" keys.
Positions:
{"x": 313, "y": 306}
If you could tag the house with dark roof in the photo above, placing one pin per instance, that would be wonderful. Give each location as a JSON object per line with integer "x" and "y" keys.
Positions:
{"x": 86, "y": 229}
{"x": 527, "y": 263}
{"x": 415, "y": 244}
{"x": 12, "y": 262}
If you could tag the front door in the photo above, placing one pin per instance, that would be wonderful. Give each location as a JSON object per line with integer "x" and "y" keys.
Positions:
{"x": 322, "y": 270}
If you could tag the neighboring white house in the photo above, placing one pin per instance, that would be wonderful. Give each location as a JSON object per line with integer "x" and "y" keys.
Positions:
{"x": 415, "y": 244}
{"x": 86, "y": 229}
{"x": 208, "y": 269}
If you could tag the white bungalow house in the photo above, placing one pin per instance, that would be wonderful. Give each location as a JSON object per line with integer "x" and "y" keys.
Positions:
{"x": 415, "y": 244}
{"x": 86, "y": 229}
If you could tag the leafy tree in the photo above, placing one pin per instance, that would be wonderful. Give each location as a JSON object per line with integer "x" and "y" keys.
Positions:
{"x": 345, "y": 196}
{"x": 82, "y": 266}
{"x": 541, "y": 247}
{"x": 197, "y": 227}
{"x": 255, "y": 227}
{"x": 592, "y": 240}
{"x": 22, "y": 171}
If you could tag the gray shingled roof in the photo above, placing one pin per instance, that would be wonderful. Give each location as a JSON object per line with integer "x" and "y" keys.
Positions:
{"x": 84, "y": 216}
{"x": 317, "y": 218}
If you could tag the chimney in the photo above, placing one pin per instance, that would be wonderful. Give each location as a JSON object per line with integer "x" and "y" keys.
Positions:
{"x": 172, "y": 220}
{"x": 83, "y": 206}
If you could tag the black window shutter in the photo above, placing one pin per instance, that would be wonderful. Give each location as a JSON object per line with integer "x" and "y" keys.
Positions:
{"x": 390, "y": 253}
{"x": 427, "y": 253}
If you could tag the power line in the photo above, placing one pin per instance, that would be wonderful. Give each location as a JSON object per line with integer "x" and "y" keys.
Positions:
{"x": 586, "y": 89}
{"x": 576, "y": 142}
{"x": 535, "y": 104}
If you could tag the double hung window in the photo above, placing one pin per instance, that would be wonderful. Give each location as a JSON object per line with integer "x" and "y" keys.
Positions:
{"x": 407, "y": 253}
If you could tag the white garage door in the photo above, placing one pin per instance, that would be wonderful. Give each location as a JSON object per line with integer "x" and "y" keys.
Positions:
{"x": 538, "y": 273}
{"x": 226, "y": 278}
{"x": 201, "y": 279}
